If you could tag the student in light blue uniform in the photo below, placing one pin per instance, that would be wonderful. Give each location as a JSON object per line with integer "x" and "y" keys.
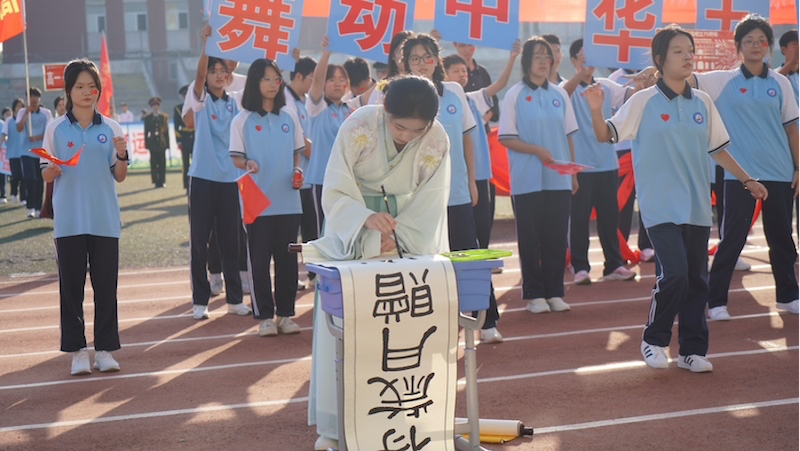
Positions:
{"x": 13, "y": 145}
{"x": 421, "y": 58}
{"x": 266, "y": 140}
{"x": 296, "y": 93}
{"x": 760, "y": 111}
{"x": 213, "y": 194}
{"x": 481, "y": 104}
{"x": 327, "y": 112}
{"x": 87, "y": 223}
{"x": 536, "y": 121}
{"x": 789, "y": 49}
{"x": 674, "y": 128}
{"x": 32, "y": 138}
{"x": 599, "y": 183}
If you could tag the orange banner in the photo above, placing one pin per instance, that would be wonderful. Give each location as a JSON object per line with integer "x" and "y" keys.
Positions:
{"x": 678, "y": 11}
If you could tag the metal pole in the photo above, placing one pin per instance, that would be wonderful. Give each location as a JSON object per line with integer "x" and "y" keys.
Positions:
{"x": 27, "y": 75}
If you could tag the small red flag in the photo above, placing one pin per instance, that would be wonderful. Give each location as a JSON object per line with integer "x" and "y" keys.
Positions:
{"x": 71, "y": 162}
{"x": 104, "y": 103}
{"x": 11, "y": 21}
{"x": 253, "y": 200}
{"x": 567, "y": 167}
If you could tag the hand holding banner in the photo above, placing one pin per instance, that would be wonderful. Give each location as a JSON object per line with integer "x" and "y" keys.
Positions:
{"x": 488, "y": 23}
{"x": 71, "y": 162}
{"x": 245, "y": 30}
{"x": 365, "y": 28}
{"x": 253, "y": 199}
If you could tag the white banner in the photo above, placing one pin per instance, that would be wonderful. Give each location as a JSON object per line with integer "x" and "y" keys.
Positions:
{"x": 400, "y": 353}
{"x": 134, "y": 133}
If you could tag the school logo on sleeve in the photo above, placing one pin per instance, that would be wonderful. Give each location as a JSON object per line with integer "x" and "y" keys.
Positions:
{"x": 451, "y": 109}
{"x": 556, "y": 103}
{"x": 285, "y": 128}
{"x": 102, "y": 138}
{"x": 698, "y": 117}
{"x": 772, "y": 92}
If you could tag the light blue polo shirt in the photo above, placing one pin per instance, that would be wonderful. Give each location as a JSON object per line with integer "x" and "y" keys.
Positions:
{"x": 325, "y": 120}
{"x": 84, "y": 195}
{"x": 455, "y": 116}
{"x": 601, "y": 156}
{"x": 479, "y": 103}
{"x": 14, "y": 141}
{"x": 297, "y": 104}
{"x": 540, "y": 115}
{"x": 271, "y": 141}
{"x": 38, "y": 123}
{"x": 793, "y": 79}
{"x": 673, "y": 135}
{"x": 755, "y": 109}
{"x": 211, "y": 158}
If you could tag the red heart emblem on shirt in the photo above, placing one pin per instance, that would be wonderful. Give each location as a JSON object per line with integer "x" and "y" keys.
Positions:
{"x": 665, "y": 117}
{"x": 213, "y": 117}
{"x": 333, "y": 114}
{"x": 583, "y": 94}
{"x": 742, "y": 90}
{"x": 258, "y": 128}
{"x": 528, "y": 98}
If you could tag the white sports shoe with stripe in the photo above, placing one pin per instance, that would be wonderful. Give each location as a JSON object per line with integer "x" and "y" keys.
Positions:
{"x": 695, "y": 363}
{"x": 654, "y": 356}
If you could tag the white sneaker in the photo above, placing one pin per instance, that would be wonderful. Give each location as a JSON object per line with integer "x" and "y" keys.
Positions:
{"x": 621, "y": 273}
{"x": 31, "y": 213}
{"x": 215, "y": 280}
{"x": 80, "y": 363}
{"x": 695, "y": 363}
{"x": 24, "y": 203}
{"x": 654, "y": 356}
{"x": 267, "y": 328}
{"x": 582, "y": 278}
{"x": 286, "y": 326}
{"x": 647, "y": 255}
{"x": 37, "y": 213}
{"x": 104, "y": 362}
{"x": 14, "y": 199}
{"x": 200, "y": 312}
{"x": 719, "y": 313}
{"x": 557, "y": 305}
{"x": 239, "y": 309}
{"x": 790, "y": 307}
{"x": 491, "y": 335}
{"x": 301, "y": 286}
{"x": 325, "y": 443}
{"x": 538, "y": 305}
{"x": 245, "y": 282}
{"x": 741, "y": 265}
{"x": 3, "y": 200}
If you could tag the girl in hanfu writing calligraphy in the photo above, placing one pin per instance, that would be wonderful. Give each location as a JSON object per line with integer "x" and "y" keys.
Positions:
{"x": 398, "y": 146}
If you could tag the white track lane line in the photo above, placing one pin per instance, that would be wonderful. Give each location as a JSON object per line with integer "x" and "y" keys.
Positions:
{"x": 221, "y": 312}
{"x": 254, "y": 333}
{"x": 145, "y": 415}
{"x": 665, "y": 416}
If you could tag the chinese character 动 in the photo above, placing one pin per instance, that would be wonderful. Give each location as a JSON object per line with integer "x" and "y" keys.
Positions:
{"x": 359, "y": 20}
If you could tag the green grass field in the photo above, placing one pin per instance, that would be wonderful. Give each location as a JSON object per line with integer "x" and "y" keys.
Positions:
{"x": 155, "y": 229}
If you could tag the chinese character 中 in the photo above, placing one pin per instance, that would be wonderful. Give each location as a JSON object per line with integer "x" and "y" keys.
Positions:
{"x": 264, "y": 18}
{"x": 413, "y": 399}
{"x": 477, "y": 11}
{"x": 359, "y": 20}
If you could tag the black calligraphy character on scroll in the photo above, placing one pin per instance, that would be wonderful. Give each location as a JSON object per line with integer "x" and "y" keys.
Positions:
{"x": 390, "y": 289}
{"x": 412, "y": 446}
{"x": 412, "y": 399}
{"x": 421, "y": 301}
{"x": 401, "y": 359}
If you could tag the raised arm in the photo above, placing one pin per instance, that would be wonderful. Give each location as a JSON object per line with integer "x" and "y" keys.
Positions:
{"x": 318, "y": 85}
{"x": 594, "y": 97}
{"x": 202, "y": 63}
{"x": 501, "y": 82}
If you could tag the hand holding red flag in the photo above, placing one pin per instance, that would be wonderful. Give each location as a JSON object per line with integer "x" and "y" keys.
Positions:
{"x": 71, "y": 162}
{"x": 253, "y": 199}
{"x": 565, "y": 167}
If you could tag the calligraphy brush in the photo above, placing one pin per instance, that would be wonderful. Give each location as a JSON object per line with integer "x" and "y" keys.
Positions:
{"x": 396, "y": 243}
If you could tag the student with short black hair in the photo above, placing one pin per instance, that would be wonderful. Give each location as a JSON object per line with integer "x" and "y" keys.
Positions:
{"x": 555, "y": 44}
{"x": 674, "y": 129}
{"x": 760, "y": 110}
{"x": 600, "y": 181}
{"x": 791, "y": 58}
{"x": 266, "y": 140}
{"x": 213, "y": 194}
{"x": 536, "y": 122}
{"x": 32, "y": 128}
{"x": 13, "y": 150}
{"x": 5, "y": 114}
{"x": 86, "y": 225}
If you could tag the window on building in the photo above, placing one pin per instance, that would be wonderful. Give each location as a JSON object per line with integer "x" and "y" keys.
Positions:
{"x": 177, "y": 17}
{"x": 135, "y": 16}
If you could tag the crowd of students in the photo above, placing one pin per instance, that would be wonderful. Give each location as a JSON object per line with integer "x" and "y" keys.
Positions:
{"x": 318, "y": 145}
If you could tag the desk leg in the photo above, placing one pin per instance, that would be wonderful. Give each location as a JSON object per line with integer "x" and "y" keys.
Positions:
{"x": 337, "y": 332}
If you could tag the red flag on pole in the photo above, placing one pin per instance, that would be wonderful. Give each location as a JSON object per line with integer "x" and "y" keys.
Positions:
{"x": 104, "y": 103}
{"x": 253, "y": 200}
{"x": 11, "y": 20}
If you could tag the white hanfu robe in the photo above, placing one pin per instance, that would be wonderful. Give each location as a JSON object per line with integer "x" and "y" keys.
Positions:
{"x": 363, "y": 159}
